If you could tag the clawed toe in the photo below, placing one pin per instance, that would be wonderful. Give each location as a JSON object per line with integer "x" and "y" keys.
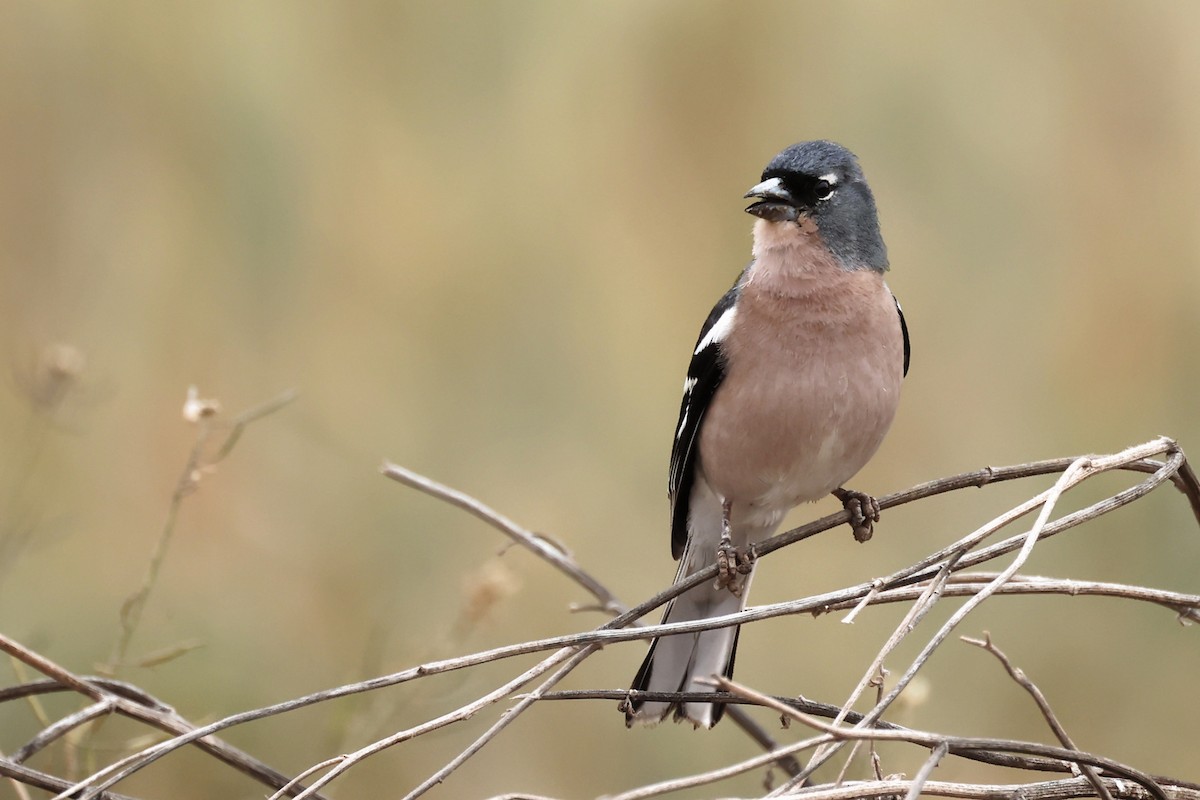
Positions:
{"x": 732, "y": 563}
{"x": 864, "y": 512}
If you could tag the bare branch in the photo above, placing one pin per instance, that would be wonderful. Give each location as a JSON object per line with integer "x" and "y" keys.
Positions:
{"x": 535, "y": 543}
{"x": 816, "y": 709}
{"x": 252, "y": 415}
{"x": 933, "y": 740}
{"x": 50, "y": 783}
{"x": 1022, "y": 680}
{"x": 1078, "y": 471}
{"x": 510, "y": 715}
{"x": 464, "y": 712}
{"x": 61, "y": 728}
{"x": 1045, "y": 790}
{"x": 926, "y": 581}
{"x": 724, "y": 773}
{"x": 1186, "y": 606}
{"x": 153, "y": 713}
{"x": 18, "y": 787}
{"x": 203, "y": 413}
{"x": 922, "y": 776}
{"x": 758, "y": 733}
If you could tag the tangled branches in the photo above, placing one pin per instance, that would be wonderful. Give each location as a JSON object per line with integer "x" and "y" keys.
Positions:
{"x": 951, "y": 571}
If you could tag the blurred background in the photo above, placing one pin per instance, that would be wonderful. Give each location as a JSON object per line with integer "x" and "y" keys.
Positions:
{"x": 479, "y": 240}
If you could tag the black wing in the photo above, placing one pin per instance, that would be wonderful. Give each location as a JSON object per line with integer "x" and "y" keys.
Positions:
{"x": 704, "y": 375}
{"x": 903, "y": 330}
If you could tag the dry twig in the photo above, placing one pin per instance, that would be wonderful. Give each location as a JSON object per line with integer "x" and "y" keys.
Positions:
{"x": 940, "y": 574}
{"x": 1022, "y": 680}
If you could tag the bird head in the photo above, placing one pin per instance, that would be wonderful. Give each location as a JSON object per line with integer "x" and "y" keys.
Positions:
{"x": 822, "y": 184}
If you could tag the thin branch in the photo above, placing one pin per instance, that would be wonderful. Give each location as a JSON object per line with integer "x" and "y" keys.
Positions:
{"x": 933, "y": 740}
{"x": 875, "y": 764}
{"x": 131, "y": 609}
{"x": 1179, "y": 472}
{"x": 928, "y": 566}
{"x": 607, "y": 633}
{"x": 52, "y": 686}
{"x": 916, "y": 613}
{"x": 1066, "y": 789}
{"x": 250, "y": 415}
{"x": 1184, "y": 479}
{"x": 505, "y": 719}
{"x": 49, "y": 668}
{"x": 1170, "y": 470}
{"x": 759, "y": 734}
{"x": 1047, "y": 500}
{"x": 1081, "y": 469}
{"x": 562, "y": 560}
{"x": 18, "y": 787}
{"x": 1165, "y": 471}
{"x": 826, "y": 710}
{"x": 724, "y": 773}
{"x": 540, "y": 545}
{"x": 1018, "y": 675}
{"x": 922, "y": 777}
{"x": 464, "y": 712}
{"x": 556, "y": 556}
{"x": 152, "y": 713}
{"x": 41, "y": 780}
{"x": 204, "y": 416}
{"x": 61, "y": 728}
{"x": 295, "y": 783}
{"x": 1186, "y": 606}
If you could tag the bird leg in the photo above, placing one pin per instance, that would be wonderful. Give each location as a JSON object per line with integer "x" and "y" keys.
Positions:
{"x": 864, "y": 512}
{"x": 732, "y": 561}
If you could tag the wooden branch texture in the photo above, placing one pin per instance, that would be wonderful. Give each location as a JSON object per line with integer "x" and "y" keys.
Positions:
{"x": 838, "y": 730}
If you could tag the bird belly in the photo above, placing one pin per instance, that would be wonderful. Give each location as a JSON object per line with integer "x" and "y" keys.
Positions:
{"x": 772, "y": 450}
{"x": 800, "y": 413}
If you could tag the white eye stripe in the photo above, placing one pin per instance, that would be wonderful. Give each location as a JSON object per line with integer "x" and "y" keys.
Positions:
{"x": 825, "y": 186}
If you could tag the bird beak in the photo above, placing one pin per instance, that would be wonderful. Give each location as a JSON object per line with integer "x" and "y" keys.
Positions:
{"x": 776, "y": 203}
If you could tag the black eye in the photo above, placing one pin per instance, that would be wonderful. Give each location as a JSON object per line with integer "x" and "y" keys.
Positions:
{"x": 823, "y": 189}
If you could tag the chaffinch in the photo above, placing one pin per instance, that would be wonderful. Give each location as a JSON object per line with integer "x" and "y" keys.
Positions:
{"x": 792, "y": 385}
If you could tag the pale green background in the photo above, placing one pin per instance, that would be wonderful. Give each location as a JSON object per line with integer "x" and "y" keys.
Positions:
{"x": 480, "y": 240}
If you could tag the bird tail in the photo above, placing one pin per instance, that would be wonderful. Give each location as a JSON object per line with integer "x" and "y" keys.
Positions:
{"x": 678, "y": 663}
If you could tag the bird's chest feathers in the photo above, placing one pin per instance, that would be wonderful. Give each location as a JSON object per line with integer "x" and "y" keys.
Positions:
{"x": 813, "y": 369}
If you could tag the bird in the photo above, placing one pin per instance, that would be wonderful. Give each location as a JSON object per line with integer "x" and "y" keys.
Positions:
{"x": 793, "y": 383}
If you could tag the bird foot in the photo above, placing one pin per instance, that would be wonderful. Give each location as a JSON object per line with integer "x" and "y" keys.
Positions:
{"x": 732, "y": 564}
{"x": 864, "y": 512}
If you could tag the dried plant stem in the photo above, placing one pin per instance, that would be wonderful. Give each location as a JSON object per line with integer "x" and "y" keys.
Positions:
{"x": 465, "y": 712}
{"x": 939, "y": 574}
{"x": 549, "y": 551}
{"x": 922, "y": 777}
{"x": 508, "y": 717}
{"x": 150, "y": 712}
{"x": 131, "y": 609}
{"x": 1078, "y": 471}
{"x": 724, "y": 773}
{"x": 934, "y": 740}
{"x": 1022, "y": 680}
{"x": 1066, "y": 789}
{"x": 206, "y": 426}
